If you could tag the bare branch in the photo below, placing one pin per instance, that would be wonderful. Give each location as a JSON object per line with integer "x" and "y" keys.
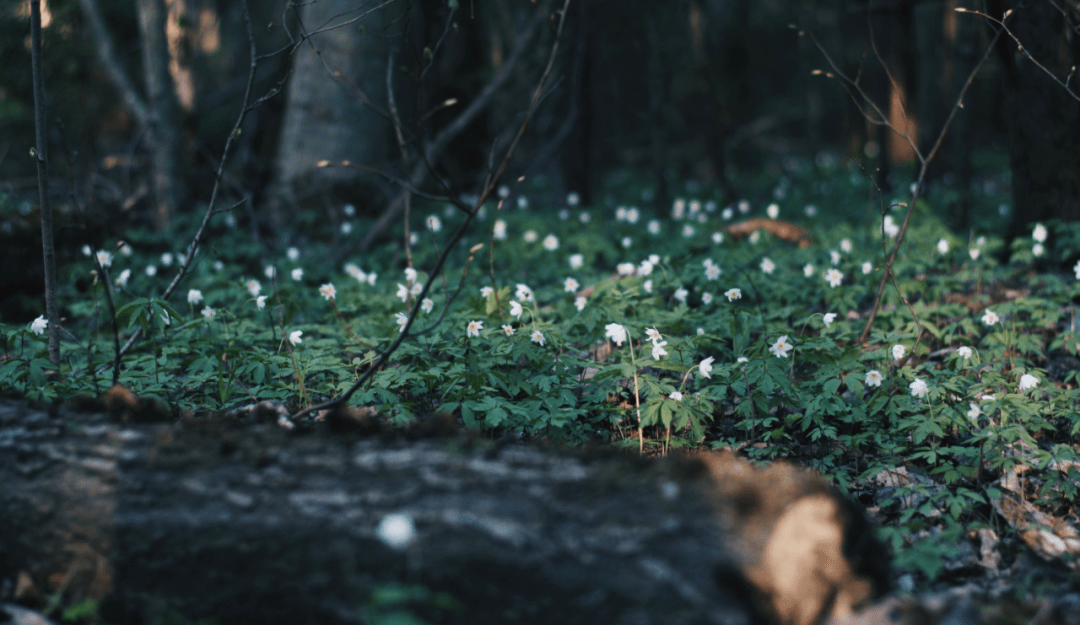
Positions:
{"x": 435, "y": 272}
{"x": 442, "y": 140}
{"x": 1001, "y": 23}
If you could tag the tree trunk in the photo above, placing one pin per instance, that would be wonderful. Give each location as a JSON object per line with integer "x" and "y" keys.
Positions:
{"x": 325, "y": 118}
{"x": 932, "y": 99}
{"x": 1043, "y": 119}
{"x": 164, "y": 122}
{"x": 249, "y": 523}
{"x": 964, "y": 56}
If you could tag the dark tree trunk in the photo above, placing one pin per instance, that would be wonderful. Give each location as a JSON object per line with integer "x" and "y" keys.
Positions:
{"x": 1043, "y": 119}
{"x": 961, "y": 141}
{"x": 164, "y": 122}
{"x": 931, "y": 95}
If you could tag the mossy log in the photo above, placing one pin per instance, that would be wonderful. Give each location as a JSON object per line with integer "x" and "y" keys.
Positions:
{"x": 242, "y": 521}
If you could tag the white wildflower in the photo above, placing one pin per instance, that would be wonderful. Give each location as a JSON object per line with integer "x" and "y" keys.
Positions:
{"x": 616, "y": 333}
{"x": 781, "y": 347}
{"x": 834, "y": 277}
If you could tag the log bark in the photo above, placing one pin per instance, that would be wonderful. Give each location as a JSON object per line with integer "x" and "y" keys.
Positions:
{"x": 245, "y": 522}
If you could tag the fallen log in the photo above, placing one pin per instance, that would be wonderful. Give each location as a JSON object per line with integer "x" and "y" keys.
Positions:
{"x": 242, "y": 521}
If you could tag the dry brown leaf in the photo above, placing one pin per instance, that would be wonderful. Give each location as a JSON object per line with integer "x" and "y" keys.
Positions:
{"x": 1050, "y": 537}
{"x": 781, "y": 229}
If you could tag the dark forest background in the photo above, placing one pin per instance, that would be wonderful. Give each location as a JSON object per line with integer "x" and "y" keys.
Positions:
{"x": 142, "y": 97}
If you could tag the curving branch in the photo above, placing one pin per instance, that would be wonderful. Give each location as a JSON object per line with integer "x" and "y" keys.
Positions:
{"x": 854, "y": 89}
{"x": 470, "y": 211}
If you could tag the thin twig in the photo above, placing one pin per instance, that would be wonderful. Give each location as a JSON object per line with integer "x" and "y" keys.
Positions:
{"x": 1001, "y": 22}
{"x": 924, "y": 160}
{"x": 247, "y": 107}
{"x": 458, "y": 234}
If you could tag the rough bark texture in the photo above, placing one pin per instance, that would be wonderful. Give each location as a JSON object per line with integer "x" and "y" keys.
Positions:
{"x": 324, "y": 117}
{"x": 164, "y": 119}
{"x": 249, "y": 523}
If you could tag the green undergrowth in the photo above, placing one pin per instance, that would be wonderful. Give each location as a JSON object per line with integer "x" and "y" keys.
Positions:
{"x": 647, "y": 329}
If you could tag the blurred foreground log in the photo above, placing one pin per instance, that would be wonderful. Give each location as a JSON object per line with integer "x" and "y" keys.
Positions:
{"x": 245, "y": 522}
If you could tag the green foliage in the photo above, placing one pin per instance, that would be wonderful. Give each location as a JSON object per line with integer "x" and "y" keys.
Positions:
{"x": 530, "y": 346}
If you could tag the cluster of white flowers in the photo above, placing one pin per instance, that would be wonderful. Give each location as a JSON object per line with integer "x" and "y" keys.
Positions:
{"x": 360, "y": 275}
{"x": 629, "y": 215}
{"x": 658, "y": 344}
{"x": 712, "y": 270}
